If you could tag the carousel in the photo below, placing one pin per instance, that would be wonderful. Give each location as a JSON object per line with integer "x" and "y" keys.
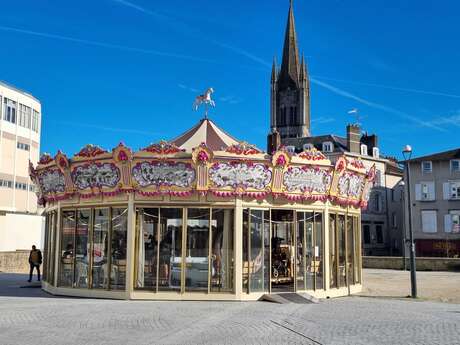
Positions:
{"x": 203, "y": 216}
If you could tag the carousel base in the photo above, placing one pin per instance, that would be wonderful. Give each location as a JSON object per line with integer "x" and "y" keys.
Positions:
{"x": 309, "y": 296}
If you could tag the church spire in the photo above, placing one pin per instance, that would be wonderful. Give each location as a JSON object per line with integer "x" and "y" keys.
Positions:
{"x": 274, "y": 74}
{"x": 290, "y": 65}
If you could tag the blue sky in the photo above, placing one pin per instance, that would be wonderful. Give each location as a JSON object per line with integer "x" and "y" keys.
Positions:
{"x": 128, "y": 70}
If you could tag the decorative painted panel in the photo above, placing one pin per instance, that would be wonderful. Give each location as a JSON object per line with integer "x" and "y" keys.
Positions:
{"x": 351, "y": 184}
{"x": 96, "y": 175}
{"x": 52, "y": 181}
{"x": 163, "y": 174}
{"x": 307, "y": 179}
{"x": 245, "y": 175}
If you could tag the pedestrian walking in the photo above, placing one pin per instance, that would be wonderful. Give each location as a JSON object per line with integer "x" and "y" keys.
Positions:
{"x": 35, "y": 260}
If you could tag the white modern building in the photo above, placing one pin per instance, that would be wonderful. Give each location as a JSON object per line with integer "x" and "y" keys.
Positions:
{"x": 20, "y": 124}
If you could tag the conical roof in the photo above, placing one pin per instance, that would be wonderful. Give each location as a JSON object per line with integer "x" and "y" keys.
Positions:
{"x": 289, "y": 74}
{"x": 206, "y": 131}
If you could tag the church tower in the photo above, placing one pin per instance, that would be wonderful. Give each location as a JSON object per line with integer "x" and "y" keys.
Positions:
{"x": 290, "y": 89}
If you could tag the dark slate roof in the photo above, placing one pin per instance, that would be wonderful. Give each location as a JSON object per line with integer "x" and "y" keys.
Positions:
{"x": 340, "y": 143}
{"x": 440, "y": 156}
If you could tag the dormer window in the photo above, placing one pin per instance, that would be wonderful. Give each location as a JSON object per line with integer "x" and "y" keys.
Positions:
{"x": 363, "y": 150}
{"x": 375, "y": 152}
{"x": 290, "y": 149}
{"x": 427, "y": 167}
{"x": 328, "y": 146}
{"x": 308, "y": 147}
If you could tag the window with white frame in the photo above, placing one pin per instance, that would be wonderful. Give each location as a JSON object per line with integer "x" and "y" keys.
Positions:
{"x": 425, "y": 191}
{"x": 6, "y": 183}
{"x": 452, "y": 221}
{"x": 452, "y": 190}
{"x": 24, "y": 115}
{"x": 20, "y": 185}
{"x": 455, "y": 165}
{"x": 427, "y": 167}
{"x": 328, "y": 146}
{"x": 35, "y": 120}
{"x": 9, "y": 110}
{"x": 378, "y": 178}
{"x": 290, "y": 149}
{"x": 23, "y": 146}
{"x": 363, "y": 150}
{"x": 308, "y": 146}
{"x": 375, "y": 152}
{"x": 429, "y": 223}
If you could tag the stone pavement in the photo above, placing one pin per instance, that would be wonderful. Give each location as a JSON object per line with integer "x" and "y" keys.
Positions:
{"x": 433, "y": 286}
{"x": 30, "y": 316}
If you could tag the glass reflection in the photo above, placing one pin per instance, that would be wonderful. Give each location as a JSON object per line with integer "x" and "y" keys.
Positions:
{"x": 147, "y": 246}
{"x": 118, "y": 248}
{"x": 66, "y": 270}
{"x": 332, "y": 251}
{"x": 196, "y": 260}
{"x": 81, "y": 249}
{"x": 222, "y": 250}
{"x": 100, "y": 244}
{"x": 170, "y": 261}
{"x": 342, "y": 253}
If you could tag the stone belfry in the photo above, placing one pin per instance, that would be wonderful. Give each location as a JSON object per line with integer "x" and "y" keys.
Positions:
{"x": 290, "y": 89}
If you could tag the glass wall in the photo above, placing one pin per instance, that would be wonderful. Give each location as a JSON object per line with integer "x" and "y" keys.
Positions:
{"x": 205, "y": 245}
{"x": 318, "y": 264}
{"x": 197, "y": 249}
{"x": 147, "y": 249}
{"x": 87, "y": 238}
{"x": 100, "y": 263}
{"x": 67, "y": 248}
{"x": 344, "y": 250}
{"x": 118, "y": 245}
{"x": 256, "y": 250}
{"x": 222, "y": 259}
{"x": 81, "y": 248}
{"x": 333, "y": 267}
{"x": 170, "y": 260}
{"x": 309, "y": 251}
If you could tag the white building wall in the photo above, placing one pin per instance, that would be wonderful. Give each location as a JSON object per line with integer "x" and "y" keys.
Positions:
{"x": 21, "y": 231}
{"x": 20, "y": 222}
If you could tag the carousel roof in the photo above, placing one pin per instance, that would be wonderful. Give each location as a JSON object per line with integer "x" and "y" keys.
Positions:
{"x": 206, "y": 131}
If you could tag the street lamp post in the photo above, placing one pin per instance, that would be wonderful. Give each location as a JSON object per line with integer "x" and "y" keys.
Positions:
{"x": 407, "y": 153}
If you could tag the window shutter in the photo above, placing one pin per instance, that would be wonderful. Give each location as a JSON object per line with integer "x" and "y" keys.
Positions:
{"x": 447, "y": 223}
{"x": 446, "y": 190}
{"x": 431, "y": 191}
{"x": 418, "y": 192}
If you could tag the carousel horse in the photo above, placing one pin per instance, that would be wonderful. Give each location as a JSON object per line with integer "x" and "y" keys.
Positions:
{"x": 204, "y": 99}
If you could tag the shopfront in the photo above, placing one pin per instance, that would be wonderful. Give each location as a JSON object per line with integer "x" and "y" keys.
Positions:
{"x": 227, "y": 224}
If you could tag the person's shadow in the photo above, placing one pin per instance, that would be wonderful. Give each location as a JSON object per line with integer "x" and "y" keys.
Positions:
{"x": 16, "y": 285}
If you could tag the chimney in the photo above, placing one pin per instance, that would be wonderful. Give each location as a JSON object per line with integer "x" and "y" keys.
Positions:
{"x": 353, "y": 138}
{"x": 273, "y": 141}
{"x": 370, "y": 140}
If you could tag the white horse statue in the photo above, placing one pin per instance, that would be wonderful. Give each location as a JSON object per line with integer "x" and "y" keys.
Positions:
{"x": 205, "y": 99}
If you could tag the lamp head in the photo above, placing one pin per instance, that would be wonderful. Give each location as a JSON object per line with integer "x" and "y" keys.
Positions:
{"x": 407, "y": 152}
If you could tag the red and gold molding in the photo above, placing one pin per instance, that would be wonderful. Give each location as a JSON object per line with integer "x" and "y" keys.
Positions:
{"x": 238, "y": 171}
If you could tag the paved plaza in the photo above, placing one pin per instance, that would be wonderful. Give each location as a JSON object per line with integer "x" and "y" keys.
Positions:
{"x": 30, "y": 316}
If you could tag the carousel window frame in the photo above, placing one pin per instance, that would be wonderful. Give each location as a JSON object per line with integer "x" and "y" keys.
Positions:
{"x": 184, "y": 208}
{"x": 92, "y": 209}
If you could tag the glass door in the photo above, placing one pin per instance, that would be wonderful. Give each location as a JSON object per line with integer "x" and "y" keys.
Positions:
{"x": 283, "y": 251}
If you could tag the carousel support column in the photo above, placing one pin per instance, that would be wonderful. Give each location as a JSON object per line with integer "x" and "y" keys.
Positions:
{"x": 238, "y": 248}
{"x": 130, "y": 262}
{"x": 327, "y": 270}
{"x": 57, "y": 247}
